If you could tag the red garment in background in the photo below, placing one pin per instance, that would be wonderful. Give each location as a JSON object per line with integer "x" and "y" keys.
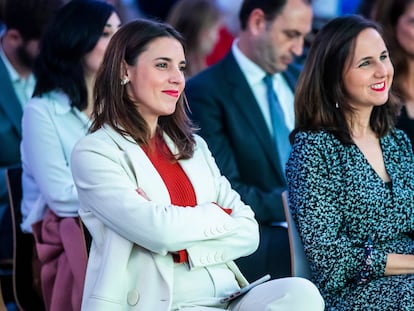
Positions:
{"x": 222, "y": 46}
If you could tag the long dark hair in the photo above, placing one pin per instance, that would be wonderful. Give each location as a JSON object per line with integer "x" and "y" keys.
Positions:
{"x": 321, "y": 86}
{"x": 112, "y": 103}
{"x": 388, "y": 13}
{"x": 73, "y": 32}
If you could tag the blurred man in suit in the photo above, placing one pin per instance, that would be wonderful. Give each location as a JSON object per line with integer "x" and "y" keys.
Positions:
{"x": 24, "y": 22}
{"x": 229, "y": 101}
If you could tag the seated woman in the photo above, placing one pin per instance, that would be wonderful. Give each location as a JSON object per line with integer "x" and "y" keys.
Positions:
{"x": 71, "y": 52}
{"x": 351, "y": 172}
{"x": 166, "y": 225}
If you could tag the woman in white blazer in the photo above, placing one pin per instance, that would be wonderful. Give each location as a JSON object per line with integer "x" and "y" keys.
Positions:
{"x": 166, "y": 225}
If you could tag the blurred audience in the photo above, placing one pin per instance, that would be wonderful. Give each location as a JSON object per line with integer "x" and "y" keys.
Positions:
{"x": 166, "y": 224}
{"x": 199, "y": 22}
{"x": 158, "y": 9}
{"x": 71, "y": 52}
{"x": 24, "y": 23}
{"x": 351, "y": 174}
{"x": 244, "y": 107}
{"x": 396, "y": 17}
{"x": 366, "y": 8}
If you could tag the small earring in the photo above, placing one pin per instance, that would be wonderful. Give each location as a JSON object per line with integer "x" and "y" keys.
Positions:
{"x": 124, "y": 81}
{"x": 336, "y": 105}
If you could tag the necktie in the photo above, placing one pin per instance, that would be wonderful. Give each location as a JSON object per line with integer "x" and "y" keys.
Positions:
{"x": 280, "y": 130}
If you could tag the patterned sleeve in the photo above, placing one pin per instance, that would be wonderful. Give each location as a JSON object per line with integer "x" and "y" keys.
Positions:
{"x": 315, "y": 183}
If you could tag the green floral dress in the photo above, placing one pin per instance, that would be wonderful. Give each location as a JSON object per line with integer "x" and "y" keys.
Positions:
{"x": 349, "y": 219}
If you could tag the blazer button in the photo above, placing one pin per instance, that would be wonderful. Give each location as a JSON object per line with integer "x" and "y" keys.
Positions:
{"x": 133, "y": 297}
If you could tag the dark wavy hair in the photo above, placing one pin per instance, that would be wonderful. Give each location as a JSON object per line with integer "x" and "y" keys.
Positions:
{"x": 73, "y": 33}
{"x": 320, "y": 84}
{"x": 114, "y": 107}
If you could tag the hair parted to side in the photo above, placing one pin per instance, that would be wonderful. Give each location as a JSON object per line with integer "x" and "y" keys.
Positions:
{"x": 115, "y": 108}
{"x": 320, "y": 85}
{"x": 74, "y": 32}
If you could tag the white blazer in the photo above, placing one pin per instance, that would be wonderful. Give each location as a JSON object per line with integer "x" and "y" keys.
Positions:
{"x": 130, "y": 266}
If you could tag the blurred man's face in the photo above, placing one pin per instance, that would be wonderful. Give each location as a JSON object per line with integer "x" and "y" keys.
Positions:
{"x": 283, "y": 38}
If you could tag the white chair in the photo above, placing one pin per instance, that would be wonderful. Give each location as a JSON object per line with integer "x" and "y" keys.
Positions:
{"x": 299, "y": 261}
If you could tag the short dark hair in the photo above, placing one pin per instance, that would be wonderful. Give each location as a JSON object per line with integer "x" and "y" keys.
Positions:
{"x": 29, "y": 17}
{"x": 320, "y": 83}
{"x": 270, "y": 8}
{"x": 73, "y": 33}
{"x": 112, "y": 103}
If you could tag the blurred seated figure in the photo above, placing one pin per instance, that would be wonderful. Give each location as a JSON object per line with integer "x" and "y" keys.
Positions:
{"x": 57, "y": 115}
{"x": 228, "y": 31}
{"x": 396, "y": 18}
{"x": 199, "y": 22}
{"x": 157, "y": 9}
{"x": 22, "y": 24}
{"x": 244, "y": 107}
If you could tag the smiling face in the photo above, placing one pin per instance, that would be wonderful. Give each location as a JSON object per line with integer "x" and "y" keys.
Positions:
{"x": 368, "y": 72}
{"x": 157, "y": 79}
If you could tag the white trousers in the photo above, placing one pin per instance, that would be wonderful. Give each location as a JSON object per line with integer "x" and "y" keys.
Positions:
{"x": 285, "y": 294}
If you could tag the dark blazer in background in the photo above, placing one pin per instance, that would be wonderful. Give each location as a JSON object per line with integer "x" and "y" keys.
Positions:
{"x": 10, "y": 136}
{"x": 230, "y": 120}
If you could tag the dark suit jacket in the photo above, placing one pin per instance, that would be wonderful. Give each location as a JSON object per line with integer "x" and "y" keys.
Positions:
{"x": 224, "y": 107}
{"x": 10, "y": 137}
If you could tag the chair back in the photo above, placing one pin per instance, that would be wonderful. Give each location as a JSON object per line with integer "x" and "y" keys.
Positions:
{"x": 26, "y": 297}
{"x": 299, "y": 261}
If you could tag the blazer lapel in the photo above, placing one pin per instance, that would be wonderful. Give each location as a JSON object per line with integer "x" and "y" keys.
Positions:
{"x": 8, "y": 100}
{"x": 145, "y": 175}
